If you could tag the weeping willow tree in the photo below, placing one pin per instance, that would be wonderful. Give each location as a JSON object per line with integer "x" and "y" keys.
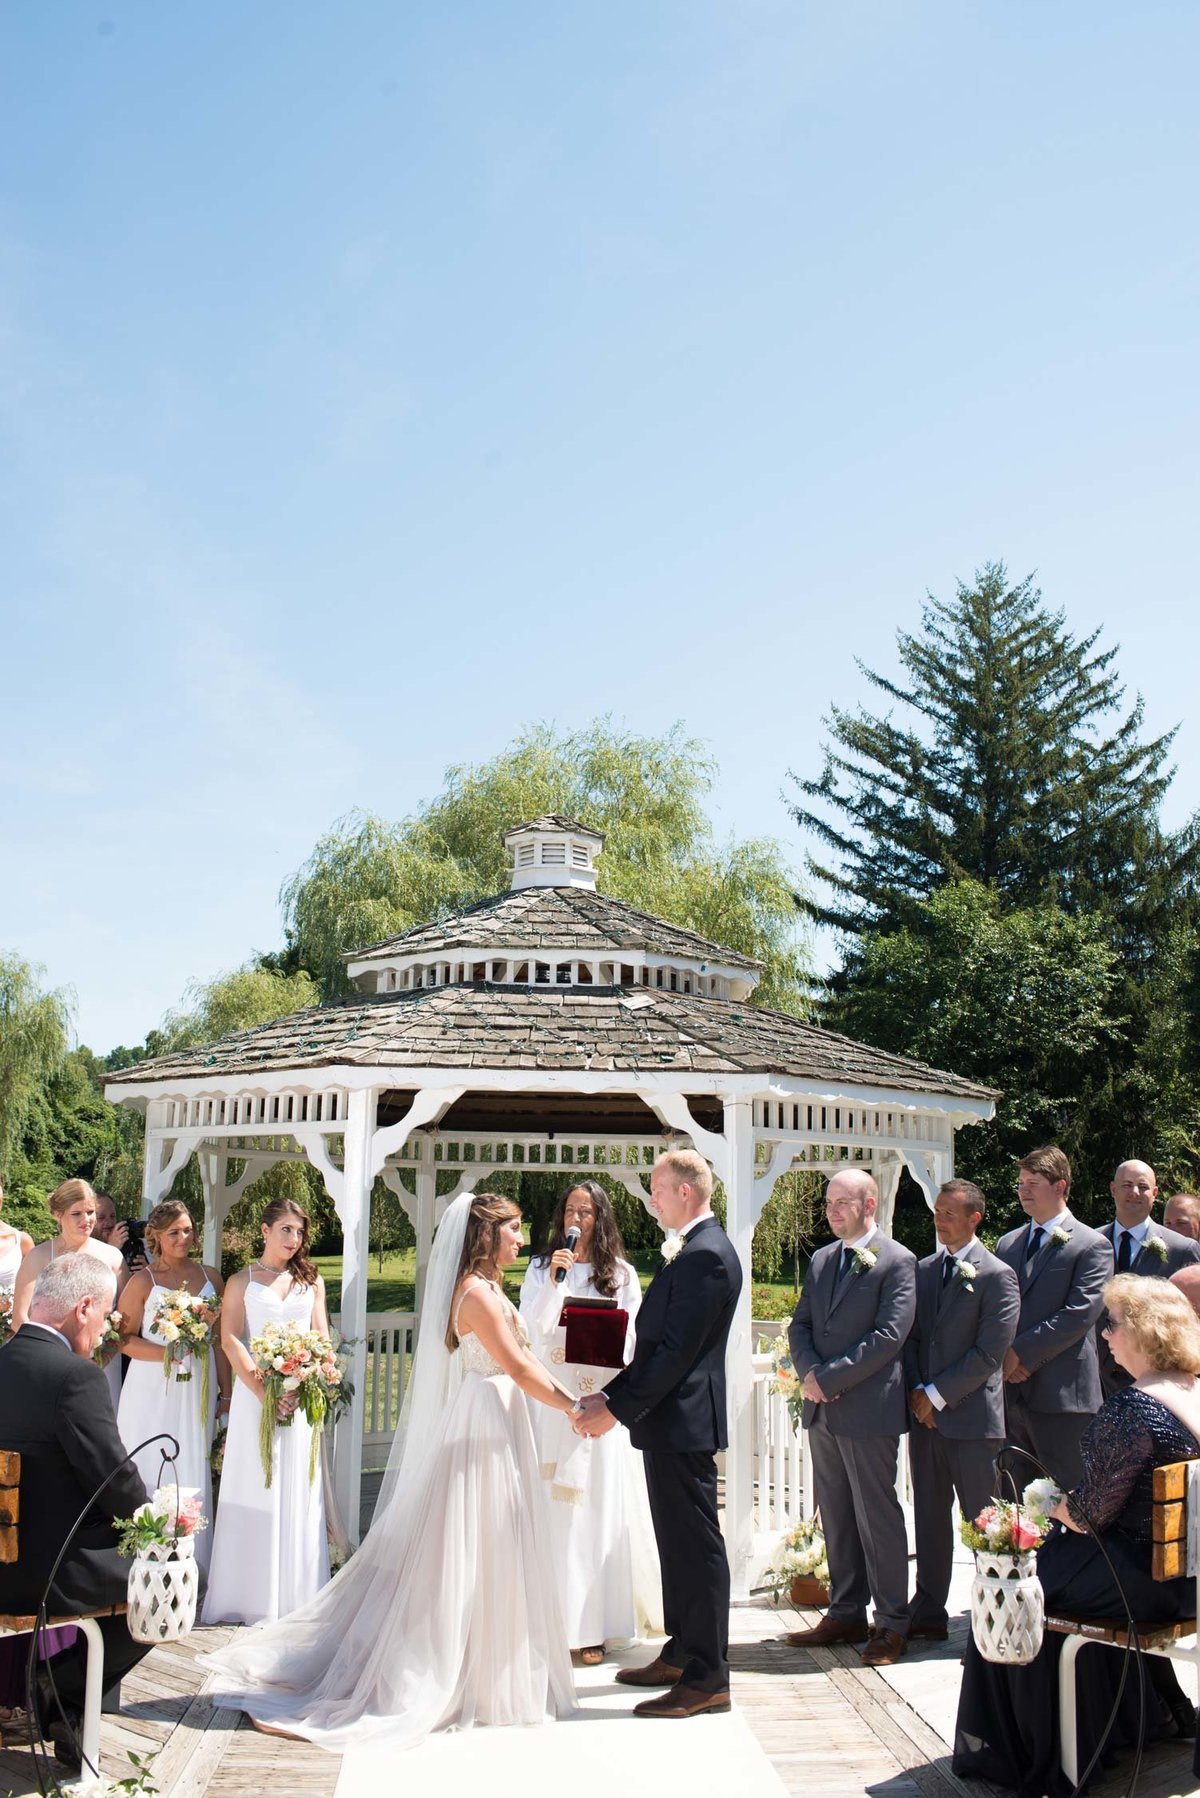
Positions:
{"x": 34, "y": 1031}
{"x": 368, "y": 879}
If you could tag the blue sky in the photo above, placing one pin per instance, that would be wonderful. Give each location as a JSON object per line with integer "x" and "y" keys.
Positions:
{"x": 377, "y": 379}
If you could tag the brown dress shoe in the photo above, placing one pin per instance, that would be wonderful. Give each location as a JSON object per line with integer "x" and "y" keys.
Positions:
{"x": 684, "y": 1701}
{"x": 655, "y": 1673}
{"x": 884, "y": 1649}
{"x": 827, "y": 1632}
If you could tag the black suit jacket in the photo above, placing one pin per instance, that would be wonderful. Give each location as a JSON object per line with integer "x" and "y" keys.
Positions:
{"x": 671, "y": 1397}
{"x": 55, "y": 1410}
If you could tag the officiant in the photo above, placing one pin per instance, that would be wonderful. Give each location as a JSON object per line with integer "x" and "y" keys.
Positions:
{"x": 601, "y": 1537}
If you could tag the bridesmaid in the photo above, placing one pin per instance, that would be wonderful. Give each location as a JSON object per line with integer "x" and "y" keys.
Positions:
{"x": 14, "y": 1246}
{"x": 73, "y": 1204}
{"x": 151, "y": 1402}
{"x": 270, "y": 1554}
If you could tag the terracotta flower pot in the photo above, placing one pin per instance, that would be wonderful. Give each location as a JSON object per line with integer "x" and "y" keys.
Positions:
{"x": 807, "y": 1592}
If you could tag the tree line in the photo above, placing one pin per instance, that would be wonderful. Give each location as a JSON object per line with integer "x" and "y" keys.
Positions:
{"x": 987, "y": 848}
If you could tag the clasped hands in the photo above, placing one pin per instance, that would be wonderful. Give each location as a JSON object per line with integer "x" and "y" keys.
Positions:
{"x": 593, "y": 1417}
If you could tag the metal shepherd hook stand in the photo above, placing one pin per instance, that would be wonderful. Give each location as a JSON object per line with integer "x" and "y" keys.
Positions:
{"x": 1133, "y": 1646}
{"x": 41, "y": 1757}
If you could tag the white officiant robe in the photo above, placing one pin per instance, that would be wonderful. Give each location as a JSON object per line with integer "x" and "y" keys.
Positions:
{"x": 602, "y": 1539}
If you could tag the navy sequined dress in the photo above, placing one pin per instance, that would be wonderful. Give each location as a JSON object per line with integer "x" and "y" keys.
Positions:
{"x": 1007, "y": 1729}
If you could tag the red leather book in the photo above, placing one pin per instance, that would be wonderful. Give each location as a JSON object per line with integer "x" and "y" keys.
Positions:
{"x": 595, "y": 1337}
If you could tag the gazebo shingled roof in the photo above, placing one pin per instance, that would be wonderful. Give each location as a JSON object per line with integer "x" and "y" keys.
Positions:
{"x": 478, "y": 1025}
{"x": 563, "y": 919}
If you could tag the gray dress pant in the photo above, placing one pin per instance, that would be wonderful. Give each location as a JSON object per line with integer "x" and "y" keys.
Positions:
{"x": 941, "y": 1468}
{"x": 854, "y": 1482}
{"x": 1053, "y": 1436}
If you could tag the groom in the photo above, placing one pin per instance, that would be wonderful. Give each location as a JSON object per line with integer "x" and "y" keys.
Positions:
{"x": 671, "y": 1398}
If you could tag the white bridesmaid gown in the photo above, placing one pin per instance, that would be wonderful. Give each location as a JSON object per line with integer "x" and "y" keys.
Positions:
{"x": 270, "y": 1554}
{"x": 448, "y": 1615}
{"x": 150, "y": 1403}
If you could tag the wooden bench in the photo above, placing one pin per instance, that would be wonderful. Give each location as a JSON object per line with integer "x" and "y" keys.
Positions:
{"x": 1175, "y": 1527}
{"x": 16, "y": 1625}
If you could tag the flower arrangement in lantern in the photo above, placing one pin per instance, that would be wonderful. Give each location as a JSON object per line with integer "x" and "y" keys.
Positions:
{"x": 163, "y": 1580}
{"x": 1007, "y": 1609}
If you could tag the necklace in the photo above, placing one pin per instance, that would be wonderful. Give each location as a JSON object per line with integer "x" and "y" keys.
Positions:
{"x": 275, "y": 1271}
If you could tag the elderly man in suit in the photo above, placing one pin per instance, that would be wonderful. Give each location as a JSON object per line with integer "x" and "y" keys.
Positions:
{"x": 55, "y": 1410}
{"x": 846, "y": 1341}
{"x": 1138, "y": 1248}
{"x": 1052, "y": 1371}
{"x": 968, "y": 1303}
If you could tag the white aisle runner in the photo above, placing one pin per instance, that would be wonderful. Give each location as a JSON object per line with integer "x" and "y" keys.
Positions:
{"x": 604, "y": 1752}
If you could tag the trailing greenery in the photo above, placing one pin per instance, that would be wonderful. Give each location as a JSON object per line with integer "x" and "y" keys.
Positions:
{"x": 368, "y": 879}
{"x": 34, "y": 1029}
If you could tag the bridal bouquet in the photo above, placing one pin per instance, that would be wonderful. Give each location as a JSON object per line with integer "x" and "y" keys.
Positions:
{"x": 295, "y": 1363}
{"x": 112, "y": 1334}
{"x": 185, "y": 1324}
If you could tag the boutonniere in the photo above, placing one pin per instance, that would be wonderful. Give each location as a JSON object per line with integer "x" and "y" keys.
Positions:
{"x": 965, "y": 1271}
{"x": 1058, "y": 1234}
{"x": 1156, "y": 1246}
{"x": 671, "y": 1247}
{"x": 864, "y": 1261}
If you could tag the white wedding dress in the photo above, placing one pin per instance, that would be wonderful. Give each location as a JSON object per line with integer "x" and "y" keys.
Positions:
{"x": 448, "y": 1615}
{"x": 151, "y": 1403}
{"x": 270, "y": 1552}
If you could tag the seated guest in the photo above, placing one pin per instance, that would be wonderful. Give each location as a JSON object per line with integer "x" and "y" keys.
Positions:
{"x": 1182, "y": 1214}
{"x": 56, "y": 1413}
{"x": 1008, "y": 1727}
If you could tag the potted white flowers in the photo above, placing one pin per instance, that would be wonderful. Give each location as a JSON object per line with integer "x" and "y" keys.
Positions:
{"x": 1007, "y": 1610}
{"x": 163, "y": 1580}
{"x": 799, "y": 1566}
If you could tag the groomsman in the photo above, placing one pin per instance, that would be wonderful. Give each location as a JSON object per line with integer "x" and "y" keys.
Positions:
{"x": 1138, "y": 1248}
{"x": 846, "y": 1340}
{"x": 968, "y": 1303}
{"x": 1052, "y": 1371}
{"x": 1182, "y": 1214}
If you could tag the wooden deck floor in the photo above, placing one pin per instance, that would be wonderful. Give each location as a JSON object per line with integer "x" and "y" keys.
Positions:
{"x": 829, "y": 1728}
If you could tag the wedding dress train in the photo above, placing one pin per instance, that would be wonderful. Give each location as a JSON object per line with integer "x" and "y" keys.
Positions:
{"x": 448, "y": 1615}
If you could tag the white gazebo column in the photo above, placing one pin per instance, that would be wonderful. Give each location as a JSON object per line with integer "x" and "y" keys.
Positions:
{"x": 354, "y": 1208}
{"x": 737, "y": 1176}
{"x": 425, "y": 1182}
{"x": 213, "y": 1173}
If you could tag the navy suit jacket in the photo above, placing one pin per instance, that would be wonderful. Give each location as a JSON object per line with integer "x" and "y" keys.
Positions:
{"x": 671, "y": 1397}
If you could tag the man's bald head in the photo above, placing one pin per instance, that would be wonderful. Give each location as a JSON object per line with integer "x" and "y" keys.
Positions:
{"x": 1188, "y": 1282}
{"x": 850, "y": 1201}
{"x": 1134, "y": 1190}
{"x": 1182, "y": 1215}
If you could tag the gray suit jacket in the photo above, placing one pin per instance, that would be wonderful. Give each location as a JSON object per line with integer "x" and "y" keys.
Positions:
{"x": 1062, "y": 1297}
{"x": 960, "y": 1337}
{"x": 851, "y": 1334}
{"x": 1181, "y": 1252}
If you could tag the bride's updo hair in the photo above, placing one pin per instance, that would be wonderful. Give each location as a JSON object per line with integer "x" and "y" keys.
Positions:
{"x": 481, "y": 1244}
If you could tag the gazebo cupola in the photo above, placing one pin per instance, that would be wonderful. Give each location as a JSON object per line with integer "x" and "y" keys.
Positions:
{"x": 553, "y": 852}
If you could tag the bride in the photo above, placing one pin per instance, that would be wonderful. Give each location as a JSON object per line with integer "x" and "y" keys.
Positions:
{"x": 448, "y": 1615}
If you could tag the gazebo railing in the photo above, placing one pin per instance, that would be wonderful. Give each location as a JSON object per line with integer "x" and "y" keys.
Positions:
{"x": 390, "y": 1339}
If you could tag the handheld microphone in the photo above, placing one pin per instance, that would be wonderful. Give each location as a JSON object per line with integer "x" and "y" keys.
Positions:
{"x": 573, "y": 1235}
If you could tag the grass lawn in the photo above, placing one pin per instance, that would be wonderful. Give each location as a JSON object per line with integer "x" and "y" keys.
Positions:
{"x": 392, "y": 1286}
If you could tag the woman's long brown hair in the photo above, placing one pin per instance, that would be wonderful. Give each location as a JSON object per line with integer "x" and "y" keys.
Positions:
{"x": 480, "y": 1245}
{"x": 300, "y": 1267}
{"x": 607, "y": 1247}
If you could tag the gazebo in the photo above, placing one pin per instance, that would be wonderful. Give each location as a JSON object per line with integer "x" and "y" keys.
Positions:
{"x": 550, "y": 1028}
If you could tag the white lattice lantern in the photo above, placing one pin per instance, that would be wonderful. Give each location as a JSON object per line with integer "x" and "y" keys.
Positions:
{"x": 163, "y": 1587}
{"x": 1007, "y": 1608}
